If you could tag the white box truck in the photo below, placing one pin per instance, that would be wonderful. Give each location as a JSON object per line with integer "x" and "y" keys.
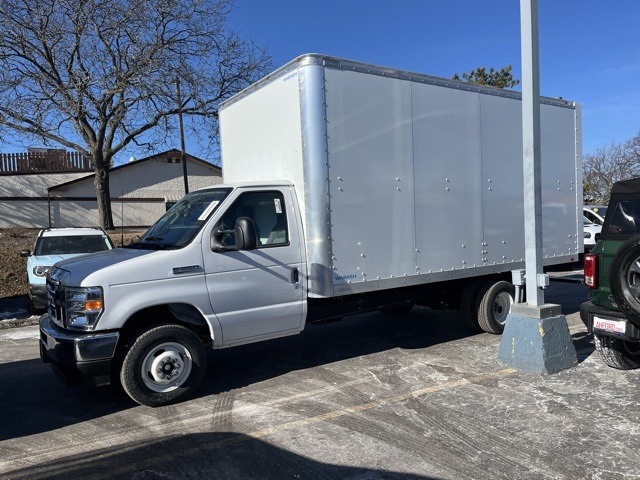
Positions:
{"x": 348, "y": 187}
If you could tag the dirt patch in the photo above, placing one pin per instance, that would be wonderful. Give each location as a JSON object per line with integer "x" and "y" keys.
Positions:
{"x": 13, "y": 267}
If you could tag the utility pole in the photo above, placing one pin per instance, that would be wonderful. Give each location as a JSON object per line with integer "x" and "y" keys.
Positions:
{"x": 536, "y": 337}
{"x": 183, "y": 157}
{"x": 532, "y": 172}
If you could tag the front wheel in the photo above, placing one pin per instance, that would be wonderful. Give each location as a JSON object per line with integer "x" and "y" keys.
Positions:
{"x": 164, "y": 365}
{"x": 618, "y": 353}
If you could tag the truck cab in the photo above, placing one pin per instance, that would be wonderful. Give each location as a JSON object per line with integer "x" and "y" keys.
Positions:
{"x": 224, "y": 266}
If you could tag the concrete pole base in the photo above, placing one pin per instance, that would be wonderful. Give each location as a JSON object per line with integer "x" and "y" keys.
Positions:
{"x": 537, "y": 340}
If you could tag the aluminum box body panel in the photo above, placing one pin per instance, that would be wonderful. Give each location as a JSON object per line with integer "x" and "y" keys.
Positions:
{"x": 403, "y": 178}
{"x": 371, "y": 179}
{"x": 560, "y": 182}
{"x": 447, "y": 168}
{"x": 261, "y": 135}
{"x": 501, "y": 181}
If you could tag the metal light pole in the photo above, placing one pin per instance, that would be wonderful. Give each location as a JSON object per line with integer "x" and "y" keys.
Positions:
{"x": 531, "y": 152}
{"x": 183, "y": 157}
{"x": 536, "y": 337}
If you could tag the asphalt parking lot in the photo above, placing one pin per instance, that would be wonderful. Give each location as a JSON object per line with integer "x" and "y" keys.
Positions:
{"x": 373, "y": 397}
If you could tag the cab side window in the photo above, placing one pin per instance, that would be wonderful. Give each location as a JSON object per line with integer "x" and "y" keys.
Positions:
{"x": 267, "y": 210}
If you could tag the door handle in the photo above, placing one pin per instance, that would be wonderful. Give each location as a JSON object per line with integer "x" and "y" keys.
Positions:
{"x": 295, "y": 277}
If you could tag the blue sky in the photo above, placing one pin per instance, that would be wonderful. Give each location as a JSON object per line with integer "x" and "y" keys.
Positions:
{"x": 589, "y": 49}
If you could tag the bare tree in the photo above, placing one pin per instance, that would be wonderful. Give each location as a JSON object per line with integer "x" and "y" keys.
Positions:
{"x": 609, "y": 164}
{"x": 99, "y": 75}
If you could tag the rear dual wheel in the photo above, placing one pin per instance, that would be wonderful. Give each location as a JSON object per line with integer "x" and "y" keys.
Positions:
{"x": 485, "y": 304}
{"x": 495, "y": 301}
{"x": 469, "y": 304}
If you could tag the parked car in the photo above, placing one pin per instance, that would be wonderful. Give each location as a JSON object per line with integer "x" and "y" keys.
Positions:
{"x": 53, "y": 245}
{"x": 612, "y": 273}
{"x": 595, "y": 213}
{"x": 591, "y": 230}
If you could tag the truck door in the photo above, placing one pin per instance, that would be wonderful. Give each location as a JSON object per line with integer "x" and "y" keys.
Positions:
{"x": 260, "y": 292}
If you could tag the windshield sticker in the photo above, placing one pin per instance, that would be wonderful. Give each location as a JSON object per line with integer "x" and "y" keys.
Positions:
{"x": 208, "y": 210}
{"x": 276, "y": 202}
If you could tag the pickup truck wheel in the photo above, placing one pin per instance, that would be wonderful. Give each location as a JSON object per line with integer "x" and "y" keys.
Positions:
{"x": 164, "y": 365}
{"x": 625, "y": 279}
{"x": 495, "y": 300}
{"x": 618, "y": 353}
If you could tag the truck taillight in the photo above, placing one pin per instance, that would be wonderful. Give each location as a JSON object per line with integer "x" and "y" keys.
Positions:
{"x": 591, "y": 270}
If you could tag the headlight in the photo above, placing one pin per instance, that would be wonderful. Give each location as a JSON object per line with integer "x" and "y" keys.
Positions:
{"x": 587, "y": 235}
{"x": 84, "y": 306}
{"x": 41, "y": 270}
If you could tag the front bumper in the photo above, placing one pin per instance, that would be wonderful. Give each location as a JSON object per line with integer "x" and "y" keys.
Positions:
{"x": 78, "y": 356}
{"x": 590, "y": 313}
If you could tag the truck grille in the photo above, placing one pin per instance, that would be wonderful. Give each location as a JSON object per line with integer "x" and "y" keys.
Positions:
{"x": 55, "y": 301}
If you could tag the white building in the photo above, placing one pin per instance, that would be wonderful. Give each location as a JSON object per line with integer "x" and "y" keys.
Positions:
{"x": 141, "y": 191}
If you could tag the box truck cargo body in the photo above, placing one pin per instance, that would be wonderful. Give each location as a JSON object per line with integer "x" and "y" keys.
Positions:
{"x": 402, "y": 178}
{"x": 348, "y": 187}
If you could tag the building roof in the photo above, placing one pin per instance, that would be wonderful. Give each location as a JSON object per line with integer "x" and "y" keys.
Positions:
{"x": 169, "y": 153}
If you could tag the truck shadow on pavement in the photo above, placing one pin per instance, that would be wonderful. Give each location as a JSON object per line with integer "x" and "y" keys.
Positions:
{"x": 363, "y": 335}
{"x": 33, "y": 400}
{"x": 318, "y": 345}
{"x": 199, "y": 456}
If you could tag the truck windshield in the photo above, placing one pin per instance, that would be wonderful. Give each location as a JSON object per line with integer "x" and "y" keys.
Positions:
{"x": 181, "y": 223}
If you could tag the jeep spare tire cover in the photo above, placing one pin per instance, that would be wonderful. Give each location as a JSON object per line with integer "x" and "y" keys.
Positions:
{"x": 625, "y": 279}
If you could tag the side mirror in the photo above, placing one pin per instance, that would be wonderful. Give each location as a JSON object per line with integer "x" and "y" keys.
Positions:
{"x": 244, "y": 234}
{"x": 25, "y": 253}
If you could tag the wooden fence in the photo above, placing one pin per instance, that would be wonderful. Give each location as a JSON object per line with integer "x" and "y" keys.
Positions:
{"x": 44, "y": 162}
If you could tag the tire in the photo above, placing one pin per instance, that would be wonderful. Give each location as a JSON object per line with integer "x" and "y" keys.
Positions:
{"x": 469, "y": 304}
{"x": 618, "y": 353}
{"x": 495, "y": 300}
{"x": 624, "y": 277}
{"x": 164, "y": 365}
{"x": 398, "y": 310}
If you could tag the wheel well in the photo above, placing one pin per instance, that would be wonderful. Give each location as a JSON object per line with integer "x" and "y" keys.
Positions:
{"x": 448, "y": 295}
{"x": 176, "y": 313}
